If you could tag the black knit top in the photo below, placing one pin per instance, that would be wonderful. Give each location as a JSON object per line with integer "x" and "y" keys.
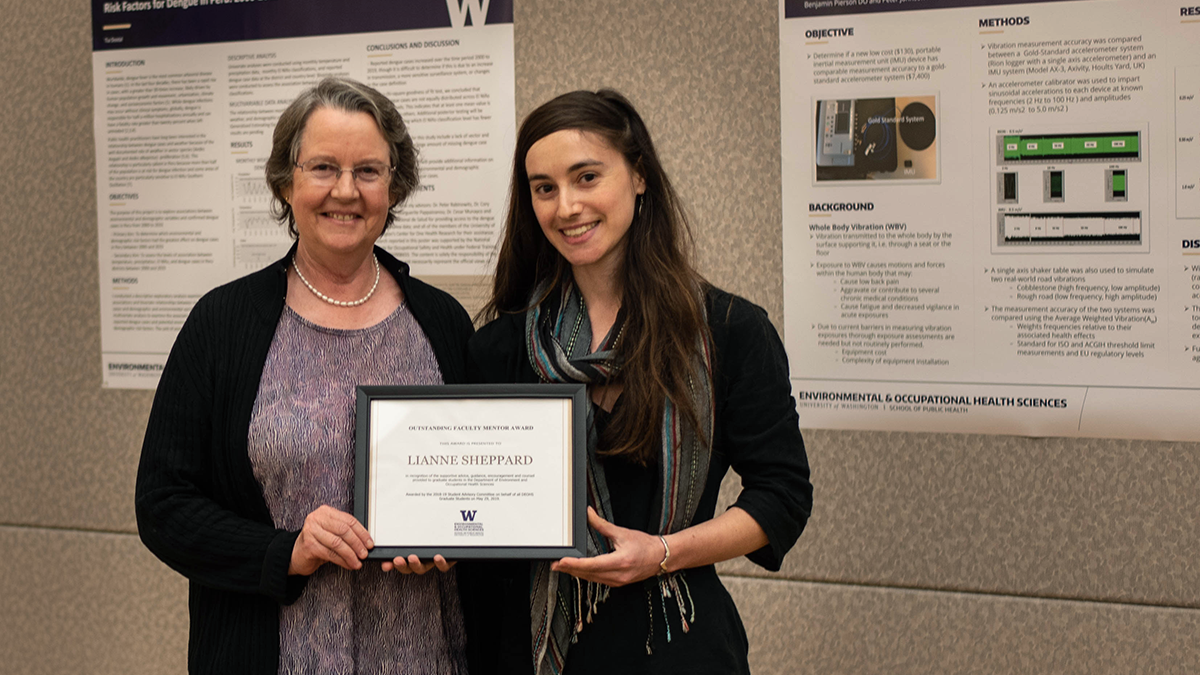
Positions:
{"x": 756, "y": 433}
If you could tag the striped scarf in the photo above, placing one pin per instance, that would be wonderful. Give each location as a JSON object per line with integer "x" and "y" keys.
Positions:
{"x": 558, "y": 336}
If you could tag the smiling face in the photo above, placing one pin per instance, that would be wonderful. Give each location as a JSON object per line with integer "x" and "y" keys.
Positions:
{"x": 584, "y": 195}
{"x": 345, "y": 218}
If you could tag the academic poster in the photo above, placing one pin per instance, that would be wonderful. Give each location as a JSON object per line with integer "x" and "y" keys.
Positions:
{"x": 991, "y": 215}
{"x": 186, "y": 95}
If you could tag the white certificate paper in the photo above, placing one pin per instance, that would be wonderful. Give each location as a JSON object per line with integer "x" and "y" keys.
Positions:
{"x": 477, "y": 472}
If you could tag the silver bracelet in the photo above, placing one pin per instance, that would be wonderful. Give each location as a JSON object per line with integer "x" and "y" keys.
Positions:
{"x": 662, "y": 566}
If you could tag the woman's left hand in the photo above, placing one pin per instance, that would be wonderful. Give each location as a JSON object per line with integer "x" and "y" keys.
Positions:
{"x": 413, "y": 565}
{"x": 635, "y": 556}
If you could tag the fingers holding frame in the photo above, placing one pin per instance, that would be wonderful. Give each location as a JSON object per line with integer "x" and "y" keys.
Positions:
{"x": 329, "y": 535}
{"x": 413, "y": 565}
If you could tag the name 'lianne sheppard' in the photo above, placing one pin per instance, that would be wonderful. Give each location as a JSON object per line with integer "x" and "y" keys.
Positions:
{"x": 470, "y": 460}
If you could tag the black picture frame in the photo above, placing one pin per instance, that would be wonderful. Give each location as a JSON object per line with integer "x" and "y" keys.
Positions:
{"x": 575, "y": 456}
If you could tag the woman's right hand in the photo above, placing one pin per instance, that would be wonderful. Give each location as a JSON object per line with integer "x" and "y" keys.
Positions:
{"x": 332, "y": 536}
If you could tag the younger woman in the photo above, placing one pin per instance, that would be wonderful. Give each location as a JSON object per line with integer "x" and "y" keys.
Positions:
{"x": 593, "y": 285}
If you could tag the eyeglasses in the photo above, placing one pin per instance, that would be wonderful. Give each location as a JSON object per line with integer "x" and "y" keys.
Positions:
{"x": 326, "y": 173}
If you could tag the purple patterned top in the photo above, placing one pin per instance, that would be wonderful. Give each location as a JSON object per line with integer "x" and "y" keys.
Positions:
{"x": 302, "y": 450}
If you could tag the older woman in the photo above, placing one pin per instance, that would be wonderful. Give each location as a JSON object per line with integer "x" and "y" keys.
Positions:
{"x": 246, "y": 475}
{"x": 593, "y": 285}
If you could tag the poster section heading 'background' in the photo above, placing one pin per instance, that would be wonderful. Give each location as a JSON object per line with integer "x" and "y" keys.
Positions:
{"x": 131, "y": 24}
{"x": 796, "y": 9}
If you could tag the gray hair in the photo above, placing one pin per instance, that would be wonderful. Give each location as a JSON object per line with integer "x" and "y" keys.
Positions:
{"x": 350, "y": 96}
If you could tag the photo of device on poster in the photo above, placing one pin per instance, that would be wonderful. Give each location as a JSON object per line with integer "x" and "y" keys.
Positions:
{"x": 863, "y": 139}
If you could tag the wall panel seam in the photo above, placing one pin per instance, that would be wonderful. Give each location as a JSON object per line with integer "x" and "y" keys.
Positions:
{"x": 65, "y": 528}
{"x": 949, "y": 590}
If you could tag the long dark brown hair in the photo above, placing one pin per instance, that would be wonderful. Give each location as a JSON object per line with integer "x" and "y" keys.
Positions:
{"x": 662, "y": 298}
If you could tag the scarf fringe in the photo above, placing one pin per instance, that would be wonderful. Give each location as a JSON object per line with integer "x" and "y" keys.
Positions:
{"x": 673, "y": 585}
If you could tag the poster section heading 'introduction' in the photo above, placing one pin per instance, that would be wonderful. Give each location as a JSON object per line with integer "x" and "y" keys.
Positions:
{"x": 991, "y": 215}
{"x": 186, "y": 95}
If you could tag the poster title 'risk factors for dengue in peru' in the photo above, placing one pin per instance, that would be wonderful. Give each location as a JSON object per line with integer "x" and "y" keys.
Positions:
{"x": 148, "y": 5}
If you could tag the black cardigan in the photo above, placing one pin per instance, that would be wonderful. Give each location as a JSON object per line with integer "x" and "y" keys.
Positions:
{"x": 199, "y": 507}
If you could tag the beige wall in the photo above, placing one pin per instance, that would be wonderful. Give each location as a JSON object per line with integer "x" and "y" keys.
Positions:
{"x": 927, "y": 553}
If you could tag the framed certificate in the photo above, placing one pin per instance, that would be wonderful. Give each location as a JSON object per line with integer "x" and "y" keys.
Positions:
{"x": 472, "y": 471}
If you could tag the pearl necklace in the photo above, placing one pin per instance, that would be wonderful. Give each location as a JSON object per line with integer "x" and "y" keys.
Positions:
{"x": 340, "y": 303}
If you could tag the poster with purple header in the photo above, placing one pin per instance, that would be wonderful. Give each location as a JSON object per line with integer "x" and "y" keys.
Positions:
{"x": 991, "y": 219}
{"x": 186, "y": 95}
